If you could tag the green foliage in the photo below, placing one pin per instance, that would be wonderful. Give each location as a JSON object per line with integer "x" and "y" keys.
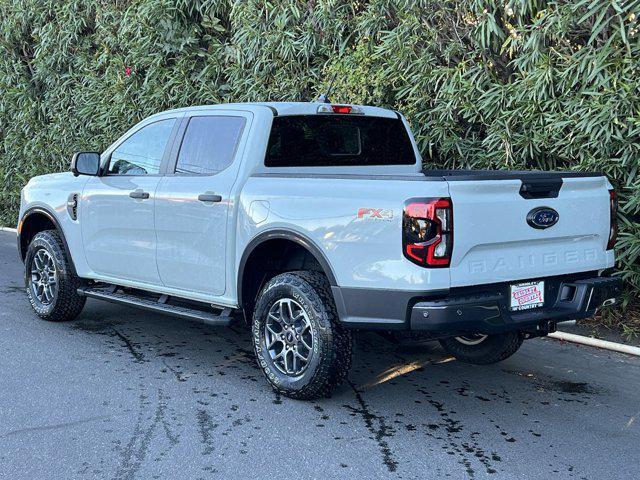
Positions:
{"x": 485, "y": 84}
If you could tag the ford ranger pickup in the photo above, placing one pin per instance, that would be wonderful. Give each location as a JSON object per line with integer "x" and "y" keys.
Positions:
{"x": 312, "y": 220}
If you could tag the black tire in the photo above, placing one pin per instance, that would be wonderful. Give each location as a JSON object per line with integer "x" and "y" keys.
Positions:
{"x": 65, "y": 303}
{"x": 330, "y": 359}
{"x": 493, "y": 349}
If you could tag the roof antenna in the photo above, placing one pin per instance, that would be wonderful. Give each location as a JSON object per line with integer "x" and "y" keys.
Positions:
{"x": 324, "y": 97}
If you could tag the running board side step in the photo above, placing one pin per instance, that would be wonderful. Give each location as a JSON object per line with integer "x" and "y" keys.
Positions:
{"x": 113, "y": 295}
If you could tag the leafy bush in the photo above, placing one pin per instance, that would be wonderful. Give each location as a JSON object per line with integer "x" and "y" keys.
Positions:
{"x": 485, "y": 84}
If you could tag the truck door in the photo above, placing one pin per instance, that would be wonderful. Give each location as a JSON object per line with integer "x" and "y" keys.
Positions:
{"x": 194, "y": 199}
{"x": 118, "y": 216}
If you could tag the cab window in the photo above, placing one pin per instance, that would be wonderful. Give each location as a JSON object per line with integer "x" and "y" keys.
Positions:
{"x": 209, "y": 144}
{"x": 142, "y": 152}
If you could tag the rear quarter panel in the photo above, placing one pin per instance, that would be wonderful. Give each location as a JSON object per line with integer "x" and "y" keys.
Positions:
{"x": 364, "y": 251}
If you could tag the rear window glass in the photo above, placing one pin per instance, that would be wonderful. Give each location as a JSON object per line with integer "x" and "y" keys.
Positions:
{"x": 209, "y": 144}
{"x": 338, "y": 140}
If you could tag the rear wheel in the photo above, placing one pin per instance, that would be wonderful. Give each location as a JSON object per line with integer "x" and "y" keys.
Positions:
{"x": 300, "y": 346}
{"x": 482, "y": 349}
{"x": 51, "y": 286}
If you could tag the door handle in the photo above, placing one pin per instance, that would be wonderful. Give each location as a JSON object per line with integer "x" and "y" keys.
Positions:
{"x": 138, "y": 193}
{"x": 209, "y": 197}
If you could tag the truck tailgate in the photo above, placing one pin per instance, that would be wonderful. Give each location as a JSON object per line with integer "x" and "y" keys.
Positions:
{"x": 493, "y": 242}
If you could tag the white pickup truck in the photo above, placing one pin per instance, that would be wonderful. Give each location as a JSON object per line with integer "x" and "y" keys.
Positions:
{"x": 315, "y": 219}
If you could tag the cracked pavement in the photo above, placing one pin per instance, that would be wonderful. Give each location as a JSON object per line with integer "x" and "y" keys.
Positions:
{"x": 121, "y": 393}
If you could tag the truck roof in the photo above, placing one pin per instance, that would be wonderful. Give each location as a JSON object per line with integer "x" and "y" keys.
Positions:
{"x": 284, "y": 108}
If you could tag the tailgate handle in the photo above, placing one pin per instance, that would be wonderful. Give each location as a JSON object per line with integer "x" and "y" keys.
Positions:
{"x": 540, "y": 188}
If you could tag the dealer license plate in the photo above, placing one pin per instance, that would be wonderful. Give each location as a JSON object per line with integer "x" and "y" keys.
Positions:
{"x": 525, "y": 296}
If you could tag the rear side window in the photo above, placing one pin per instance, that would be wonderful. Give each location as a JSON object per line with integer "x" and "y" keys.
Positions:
{"x": 209, "y": 144}
{"x": 338, "y": 140}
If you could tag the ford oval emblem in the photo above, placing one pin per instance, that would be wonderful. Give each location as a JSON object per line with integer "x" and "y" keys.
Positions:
{"x": 542, "y": 217}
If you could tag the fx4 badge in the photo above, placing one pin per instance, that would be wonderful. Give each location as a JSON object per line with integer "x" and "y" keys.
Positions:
{"x": 375, "y": 214}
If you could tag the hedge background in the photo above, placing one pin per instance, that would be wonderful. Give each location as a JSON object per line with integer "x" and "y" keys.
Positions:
{"x": 517, "y": 84}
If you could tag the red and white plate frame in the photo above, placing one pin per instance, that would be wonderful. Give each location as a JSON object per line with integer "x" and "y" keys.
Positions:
{"x": 525, "y": 296}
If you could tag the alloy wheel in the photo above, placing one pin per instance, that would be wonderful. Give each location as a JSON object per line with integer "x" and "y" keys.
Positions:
{"x": 289, "y": 337}
{"x": 43, "y": 281}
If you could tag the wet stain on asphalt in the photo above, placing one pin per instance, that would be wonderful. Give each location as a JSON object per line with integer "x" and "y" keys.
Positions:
{"x": 134, "y": 453}
{"x": 563, "y": 386}
{"x": 452, "y": 436}
{"x": 109, "y": 329}
{"x": 132, "y": 347}
{"x": 177, "y": 373}
{"x": 97, "y": 325}
{"x": 567, "y": 391}
{"x": 469, "y": 447}
{"x": 57, "y": 426}
{"x": 380, "y": 432}
{"x": 14, "y": 289}
{"x": 206, "y": 426}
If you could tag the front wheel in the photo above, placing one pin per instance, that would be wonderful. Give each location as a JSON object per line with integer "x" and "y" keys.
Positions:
{"x": 481, "y": 349}
{"x": 300, "y": 346}
{"x": 51, "y": 285}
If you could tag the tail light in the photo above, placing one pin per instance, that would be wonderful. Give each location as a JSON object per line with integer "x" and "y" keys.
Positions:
{"x": 613, "y": 226}
{"x": 427, "y": 231}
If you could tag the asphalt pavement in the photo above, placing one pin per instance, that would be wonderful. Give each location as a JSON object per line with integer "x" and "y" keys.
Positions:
{"x": 123, "y": 394}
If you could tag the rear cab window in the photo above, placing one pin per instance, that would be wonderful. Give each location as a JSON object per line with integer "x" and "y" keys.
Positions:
{"x": 333, "y": 140}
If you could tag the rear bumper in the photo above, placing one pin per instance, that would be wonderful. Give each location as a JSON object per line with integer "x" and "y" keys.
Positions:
{"x": 490, "y": 313}
{"x": 481, "y": 309}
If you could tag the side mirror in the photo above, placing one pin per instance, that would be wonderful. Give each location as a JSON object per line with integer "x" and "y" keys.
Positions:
{"x": 85, "y": 163}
